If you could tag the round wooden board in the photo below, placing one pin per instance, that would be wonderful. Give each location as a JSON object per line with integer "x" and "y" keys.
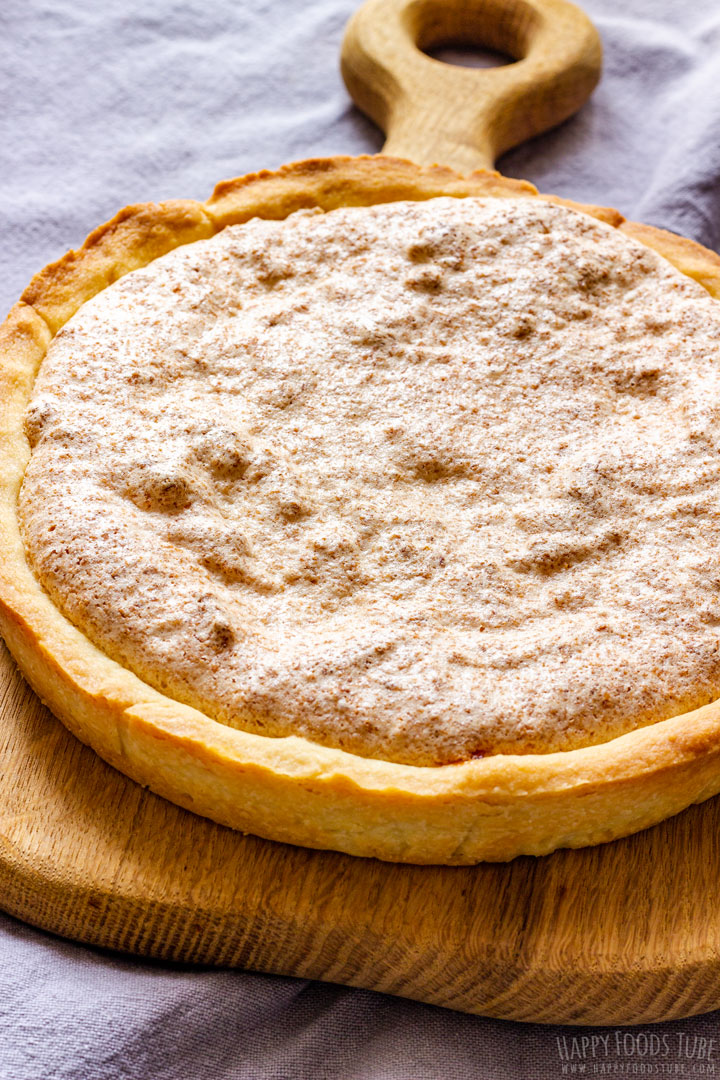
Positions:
{"x": 624, "y": 933}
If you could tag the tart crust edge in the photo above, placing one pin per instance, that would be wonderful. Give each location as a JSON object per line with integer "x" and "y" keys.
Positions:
{"x": 291, "y": 789}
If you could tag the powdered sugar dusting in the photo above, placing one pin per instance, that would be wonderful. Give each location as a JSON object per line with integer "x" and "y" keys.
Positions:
{"x": 420, "y": 480}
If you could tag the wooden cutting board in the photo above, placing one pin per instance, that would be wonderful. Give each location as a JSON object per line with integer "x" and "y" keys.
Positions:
{"x": 617, "y": 934}
{"x": 623, "y": 933}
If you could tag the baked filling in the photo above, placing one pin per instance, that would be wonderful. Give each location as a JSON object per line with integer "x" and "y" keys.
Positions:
{"x": 420, "y": 480}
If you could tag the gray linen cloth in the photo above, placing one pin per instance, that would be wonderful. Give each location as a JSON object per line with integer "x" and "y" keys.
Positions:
{"x": 120, "y": 101}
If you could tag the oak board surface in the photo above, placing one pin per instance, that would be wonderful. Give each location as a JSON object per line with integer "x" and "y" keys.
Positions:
{"x": 622, "y": 933}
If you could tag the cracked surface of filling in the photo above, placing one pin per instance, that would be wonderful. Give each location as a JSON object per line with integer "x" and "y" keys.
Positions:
{"x": 422, "y": 481}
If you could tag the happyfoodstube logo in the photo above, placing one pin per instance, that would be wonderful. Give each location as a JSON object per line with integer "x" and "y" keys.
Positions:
{"x": 638, "y": 1053}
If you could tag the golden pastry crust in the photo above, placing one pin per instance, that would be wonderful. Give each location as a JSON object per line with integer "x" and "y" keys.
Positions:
{"x": 289, "y": 788}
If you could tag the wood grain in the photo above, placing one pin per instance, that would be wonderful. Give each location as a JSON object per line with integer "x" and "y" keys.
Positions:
{"x": 624, "y": 933}
{"x": 433, "y": 112}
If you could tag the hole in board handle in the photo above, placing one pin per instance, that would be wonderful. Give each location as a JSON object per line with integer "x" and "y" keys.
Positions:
{"x": 468, "y": 56}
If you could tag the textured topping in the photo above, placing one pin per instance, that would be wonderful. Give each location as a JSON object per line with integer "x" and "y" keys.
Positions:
{"x": 420, "y": 480}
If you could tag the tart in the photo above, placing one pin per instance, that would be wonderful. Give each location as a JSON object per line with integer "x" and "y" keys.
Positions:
{"x": 374, "y": 508}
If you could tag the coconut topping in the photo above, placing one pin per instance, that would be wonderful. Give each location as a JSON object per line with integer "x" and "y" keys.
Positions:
{"x": 423, "y": 481}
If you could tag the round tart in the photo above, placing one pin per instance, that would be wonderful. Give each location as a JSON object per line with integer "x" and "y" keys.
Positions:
{"x": 388, "y": 526}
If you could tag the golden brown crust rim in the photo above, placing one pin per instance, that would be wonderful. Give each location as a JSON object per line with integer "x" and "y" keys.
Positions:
{"x": 133, "y": 238}
{"x": 289, "y": 788}
{"x": 690, "y": 258}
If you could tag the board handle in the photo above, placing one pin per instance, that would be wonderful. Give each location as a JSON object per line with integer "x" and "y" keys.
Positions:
{"x": 437, "y": 113}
